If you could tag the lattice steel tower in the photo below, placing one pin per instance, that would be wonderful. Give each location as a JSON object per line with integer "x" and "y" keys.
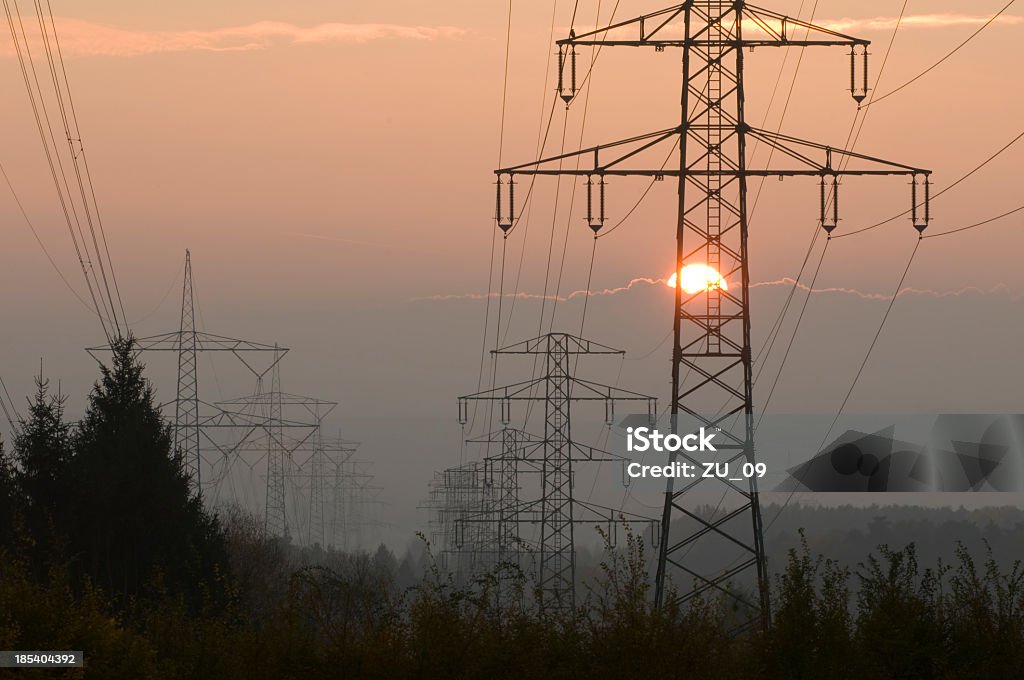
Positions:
{"x": 278, "y": 458}
{"x": 186, "y": 408}
{"x": 711, "y": 355}
{"x": 195, "y": 420}
{"x": 556, "y": 511}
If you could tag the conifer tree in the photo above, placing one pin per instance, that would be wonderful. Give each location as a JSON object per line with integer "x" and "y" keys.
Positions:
{"x": 138, "y": 529}
{"x": 42, "y": 450}
{"x": 7, "y": 499}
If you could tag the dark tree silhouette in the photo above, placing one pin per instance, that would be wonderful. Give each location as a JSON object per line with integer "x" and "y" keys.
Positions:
{"x": 8, "y": 497}
{"x": 136, "y": 527}
{"x": 43, "y": 452}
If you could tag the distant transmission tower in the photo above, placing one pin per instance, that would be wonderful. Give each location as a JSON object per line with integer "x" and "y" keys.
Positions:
{"x": 186, "y": 406}
{"x": 317, "y": 507}
{"x": 474, "y": 508}
{"x": 278, "y": 457}
{"x": 557, "y": 511}
{"x": 195, "y": 420}
{"x": 291, "y": 425}
{"x": 520, "y": 452}
{"x": 458, "y": 494}
{"x": 711, "y": 351}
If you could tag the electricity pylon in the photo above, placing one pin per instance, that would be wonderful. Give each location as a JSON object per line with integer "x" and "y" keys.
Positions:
{"x": 278, "y": 457}
{"x": 474, "y": 507}
{"x": 711, "y": 353}
{"x": 456, "y": 495}
{"x": 195, "y": 419}
{"x": 186, "y": 405}
{"x": 557, "y": 511}
{"x": 305, "y": 415}
{"x": 502, "y": 473}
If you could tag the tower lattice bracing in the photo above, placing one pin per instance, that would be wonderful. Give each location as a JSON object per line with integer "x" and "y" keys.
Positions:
{"x": 278, "y": 456}
{"x": 197, "y": 422}
{"x": 217, "y": 441}
{"x": 719, "y": 554}
{"x": 556, "y": 511}
{"x": 507, "y": 492}
{"x": 186, "y": 411}
{"x": 317, "y": 516}
{"x": 557, "y": 557}
{"x": 474, "y": 510}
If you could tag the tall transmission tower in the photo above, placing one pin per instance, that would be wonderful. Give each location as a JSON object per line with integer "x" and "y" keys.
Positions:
{"x": 195, "y": 420}
{"x": 711, "y": 351}
{"x": 186, "y": 405}
{"x": 557, "y": 511}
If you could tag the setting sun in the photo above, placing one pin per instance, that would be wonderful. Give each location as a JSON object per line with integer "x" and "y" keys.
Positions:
{"x": 698, "y": 277}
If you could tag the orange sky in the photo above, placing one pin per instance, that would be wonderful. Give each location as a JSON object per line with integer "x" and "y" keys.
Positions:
{"x": 310, "y": 152}
{"x": 327, "y": 162}
{"x": 246, "y": 132}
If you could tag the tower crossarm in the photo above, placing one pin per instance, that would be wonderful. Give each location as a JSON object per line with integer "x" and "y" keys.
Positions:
{"x": 806, "y": 158}
{"x": 762, "y": 28}
{"x": 570, "y": 344}
{"x": 206, "y": 342}
{"x": 579, "y": 389}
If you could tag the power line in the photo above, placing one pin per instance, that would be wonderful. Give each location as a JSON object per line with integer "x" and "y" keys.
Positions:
{"x": 860, "y": 369}
{"x": 773, "y": 335}
{"x": 543, "y": 131}
{"x": 99, "y": 285}
{"x": 39, "y": 113}
{"x": 572, "y": 195}
{"x": 851, "y": 142}
{"x": 13, "y": 421}
{"x": 792, "y": 337}
{"x": 174, "y": 284}
{"x": 597, "y": 51}
{"x": 650, "y": 185}
{"x": 39, "y": 240}
{"x": 785, "y": 106}
{"x": 947, "y": 56}
{"x": 78, "y": 136}
{"x": 934, "y": 196}
{"x": 976, "y": 224}
{"x": 99, "y": 259}
{"x": 490, "y": 272}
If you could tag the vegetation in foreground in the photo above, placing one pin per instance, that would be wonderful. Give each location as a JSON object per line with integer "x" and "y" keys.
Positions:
{"x": 101, "y": 549}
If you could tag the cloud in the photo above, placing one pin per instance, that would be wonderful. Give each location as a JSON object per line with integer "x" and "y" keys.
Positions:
{"x": 85, "y": 38}
{"x": 538, "y": 296}
{"x": 848, "y": 25}
{"x": 1000, "y": 289}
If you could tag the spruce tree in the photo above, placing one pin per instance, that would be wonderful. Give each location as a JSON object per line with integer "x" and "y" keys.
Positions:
{"x": 42, "y": 450}
{"x": 139, "y": 530}
{"x": 7, "y": 500}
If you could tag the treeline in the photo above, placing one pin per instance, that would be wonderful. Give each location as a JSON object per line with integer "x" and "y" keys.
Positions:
{"x": 103, "y": 550}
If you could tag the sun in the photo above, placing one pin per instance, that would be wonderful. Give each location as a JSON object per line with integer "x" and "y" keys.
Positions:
{"x": 697, "y": 278}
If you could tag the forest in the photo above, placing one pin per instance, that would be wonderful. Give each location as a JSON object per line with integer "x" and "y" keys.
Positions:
{"x": 103, "y": 549}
